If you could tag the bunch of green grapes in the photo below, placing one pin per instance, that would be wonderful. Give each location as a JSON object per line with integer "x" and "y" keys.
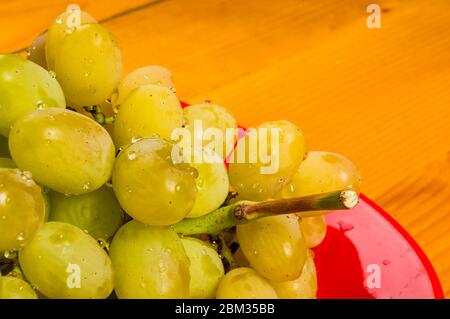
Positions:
{"x": 126, "y": 194}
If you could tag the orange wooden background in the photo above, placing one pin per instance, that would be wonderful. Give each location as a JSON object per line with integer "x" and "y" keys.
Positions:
{"x": 380, "y": 96}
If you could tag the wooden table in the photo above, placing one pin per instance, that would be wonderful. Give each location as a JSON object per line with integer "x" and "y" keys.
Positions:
{"x": 379, "y": 96}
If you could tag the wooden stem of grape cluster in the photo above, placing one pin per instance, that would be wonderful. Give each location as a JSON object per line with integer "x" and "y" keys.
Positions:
{"x": 245, "y": 211}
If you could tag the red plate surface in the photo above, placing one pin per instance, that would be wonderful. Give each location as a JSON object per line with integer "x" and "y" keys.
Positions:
{"x": 367, "y": 254}
{"x": 364, "y": 242}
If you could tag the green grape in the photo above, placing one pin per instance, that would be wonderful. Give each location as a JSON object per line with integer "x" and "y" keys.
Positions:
{"x": 88, "y": 65}
{"x": 212, "y": 187}
{"x": 211, "y": 116}
{"x": 64, "y": 150}
{"x": 25, "y": 86}
{"x": 152, "y": 74}
{"x": 36, "y": 52}
{"x": 149, "y": 187}
{"x": 64, "y": 25}
{"x": 21, "y": 208}
{"x": 244, "y": 283}
{"x": 263, "y": 176}
{"x": 304, "y": 287}
{"x": 62, "y": 261}
{"x": 148, "y": 111}
{"x": 7, "y": 163}
{"x": 274, "y": 246}
{"x": 314, "y": 229}
{"x": 15, "y": 288}
{"x": 206, "y": 268}
{"x": 98, "y": 213}
{"x": 4, "y": 149}
{"x": 323, "y": 172}
{"x": 150, "y": 262}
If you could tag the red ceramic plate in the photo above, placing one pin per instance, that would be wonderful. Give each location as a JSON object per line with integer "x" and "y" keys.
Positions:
{"x": 366, "y": 242}
{"x": 367, "y": 254}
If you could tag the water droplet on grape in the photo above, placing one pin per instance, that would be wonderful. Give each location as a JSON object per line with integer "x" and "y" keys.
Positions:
{"x": 162, "y": 268}
{"x": 52, "y": 74}
{"x": 40, "y": 105}
{"x": 255, "y": 252}
{"x": 26, "y": 175}
{"x": 135, "y": 139}
{"x": 132, "y": 156}
{"x": 59, "y": 20}
{"x": 4, "y": 217}
{"x": 146, "y": 76}
{"x": 177, "y": 188}
{"x": 109, "y": 184}
{"x": 21, "y": 236}
{"x": 87, "y": 186}
{"x": 174, "y": 91}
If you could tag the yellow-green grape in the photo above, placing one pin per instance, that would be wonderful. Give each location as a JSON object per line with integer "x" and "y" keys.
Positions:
{"x": 150, "y": 262}
{"x": 211, "y": 116}
{"x": 62, "y": 261}
{"x": 148, "y": 111}
{"x": 36, "y": 52}
{"x": 21, "y": 208}
{"x": 152, "y": 74}
{"x": 6, "y": 162}
{"x": 274, "y": 246}
{"x": 244, "y": 283}
{"x": 264, "y": 170}
{"x": 323, "y": 172}
{"x": 88, "y": 65}
{"x": 64, "y": 24}
{"x": 98, "y": 213}
{"x": 314, "y": 229}
{"x": 15, "y": 288}
{"x": 304, "y": 287}
{"x": 64, "y": 150}
{"x": 25, "y": 86}
{"x": 212, "y": 186}
{"x": 150, "y": 187}
{"x": 206, "y": 268}
{"x": 4, "y": 149}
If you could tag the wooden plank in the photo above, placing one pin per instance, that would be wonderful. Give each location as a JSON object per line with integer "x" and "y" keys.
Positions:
{"x": 22, "y": 20}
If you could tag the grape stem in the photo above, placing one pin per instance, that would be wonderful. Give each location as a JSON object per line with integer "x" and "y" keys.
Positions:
{"x": 98, "y": 115}
{"x": 245, "y": 211}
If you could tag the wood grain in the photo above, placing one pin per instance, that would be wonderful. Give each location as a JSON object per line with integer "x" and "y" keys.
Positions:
{"x": 380, "y": 97}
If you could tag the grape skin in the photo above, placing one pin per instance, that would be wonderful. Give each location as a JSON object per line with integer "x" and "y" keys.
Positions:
{"x": 46, "y": 259}
{"x": 149, "y": 187}
{"x": 211, "y": 116}
{"x": 304, "y": 287}
{"x": 36, "y": 52}
{"x": 152, "y": 74}
{"x": 244, "y": 283}
{"x": 25, "y": 86}
{"x": 88, "y": 65}
{"x": 150, "y": 110}
{"x": 15, "y": 288}
{"x": 21, "y": 209}
{"x": 150, "y": 262}
{"x": 323, "y": 172}
{"x": 206, "y": 268}
{"x": 98, "y": 213}
{"x": 314, "y": 229}
{"x": 274, "y": 246}
{"x": 64, "y": 150}
{"x": 57, "y": 33}
{"x": 247, "y": 177}
{"x": 212, "y": 187}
